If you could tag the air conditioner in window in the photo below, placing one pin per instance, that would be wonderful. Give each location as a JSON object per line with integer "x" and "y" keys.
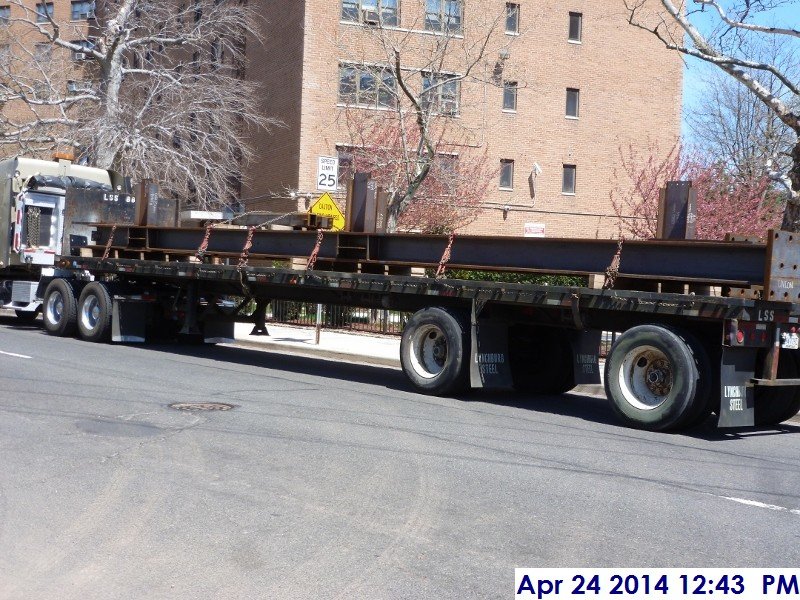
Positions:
{"x": 370, "y": 16}
{"x": 79, "y": 55}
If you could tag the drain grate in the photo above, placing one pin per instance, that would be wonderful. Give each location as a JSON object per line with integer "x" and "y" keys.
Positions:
{"x": 201, "y": 406}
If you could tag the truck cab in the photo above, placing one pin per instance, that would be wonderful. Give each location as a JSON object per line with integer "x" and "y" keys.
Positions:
{"x": 39, "y": 199}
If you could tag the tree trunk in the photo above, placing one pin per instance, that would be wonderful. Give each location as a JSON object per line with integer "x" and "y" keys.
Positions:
{"x": 791, "y": 215}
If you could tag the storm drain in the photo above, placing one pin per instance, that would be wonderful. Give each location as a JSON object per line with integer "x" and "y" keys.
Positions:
{"x": 193, "y": 406}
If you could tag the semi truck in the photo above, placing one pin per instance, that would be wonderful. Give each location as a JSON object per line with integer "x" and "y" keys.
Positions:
{"x": 704, "y": 327}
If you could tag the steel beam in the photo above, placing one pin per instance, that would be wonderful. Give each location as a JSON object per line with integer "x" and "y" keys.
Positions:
{"x": 726, "y": 263}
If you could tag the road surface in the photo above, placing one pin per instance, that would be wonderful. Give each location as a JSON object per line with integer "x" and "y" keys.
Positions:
{"x": 334, "y": 480}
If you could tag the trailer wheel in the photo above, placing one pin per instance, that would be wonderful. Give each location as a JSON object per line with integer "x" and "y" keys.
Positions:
{"x": 655, "y": 379}
{"x": 60, "y": 309}
{"x": 541, "y": 360}
{"x": 94, "y": 313}
{"x": 434, "y": 352}
{"x": 774, "y": 405}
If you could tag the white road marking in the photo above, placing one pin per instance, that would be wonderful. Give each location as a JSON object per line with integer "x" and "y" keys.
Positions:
{"x": 15, "y": 355}
{"x": 762, "y": 505}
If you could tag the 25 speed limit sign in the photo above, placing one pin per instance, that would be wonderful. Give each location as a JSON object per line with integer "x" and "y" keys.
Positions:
{"x": 328, "y": 173}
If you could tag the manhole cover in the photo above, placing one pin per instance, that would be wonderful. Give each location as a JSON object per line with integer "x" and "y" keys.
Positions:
{"x": 201, "y": 406}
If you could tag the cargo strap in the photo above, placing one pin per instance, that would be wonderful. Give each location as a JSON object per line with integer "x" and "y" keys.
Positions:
{"x": 312, "y": 259}
{"x": 613, "y": 269}
{"x": 201, "y": 250}
{"x": 109, "y": 242}
{"x": 445, "y": 256}
{"x": 248, "y": 243}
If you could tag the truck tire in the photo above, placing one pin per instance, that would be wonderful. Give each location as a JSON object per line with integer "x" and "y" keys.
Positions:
{"x": 656, "y": 379}
{"x": 774, "y": 405}
{"x": 94, "y": 313}
{"x": 541, "y": 360}
{"x": 60, "y": 309}
{"x": 434, "y": 352}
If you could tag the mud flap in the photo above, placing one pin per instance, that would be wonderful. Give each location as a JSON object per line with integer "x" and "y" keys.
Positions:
{"x": 586, "y": 357}
{"x": 737, "y": 406}
{"x": 489, "y": 367}
{"x": 128, "y": 320}
{"x": 218, "y": 332}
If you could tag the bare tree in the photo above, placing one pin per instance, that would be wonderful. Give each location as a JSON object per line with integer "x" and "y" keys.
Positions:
{"x": 419, "y": 89}
{"x": 732, "y": 126}
{"x": 728, "y": 46}
{"x": 152, "y": 88}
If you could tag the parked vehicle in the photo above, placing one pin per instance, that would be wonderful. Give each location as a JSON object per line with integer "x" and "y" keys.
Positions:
{"x": 706, "y": 327}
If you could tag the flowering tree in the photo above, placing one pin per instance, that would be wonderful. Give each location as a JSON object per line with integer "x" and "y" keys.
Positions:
{"x": 726, "y": 202}
{"x": 450, "y": 195}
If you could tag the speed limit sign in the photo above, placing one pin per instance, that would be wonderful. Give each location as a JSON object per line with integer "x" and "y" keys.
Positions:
{"x": 328, "y": 173}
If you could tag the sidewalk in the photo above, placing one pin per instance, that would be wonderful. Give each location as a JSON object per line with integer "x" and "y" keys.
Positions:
{"x": 383, "y": 350}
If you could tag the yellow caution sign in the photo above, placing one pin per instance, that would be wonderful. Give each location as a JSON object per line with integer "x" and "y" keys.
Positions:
{"x": 326, "y": 207}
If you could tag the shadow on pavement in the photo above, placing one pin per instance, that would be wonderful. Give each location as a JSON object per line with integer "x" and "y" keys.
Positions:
{"x": 574, "y": 405}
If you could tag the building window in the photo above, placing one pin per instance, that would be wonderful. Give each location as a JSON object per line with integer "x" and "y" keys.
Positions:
{"x": 5, "y": 15}
{"x": 512, "y": 18}
{"x": 506, "y": 174}
{"x": 371, "y": 12}
{"x": 370, "y": 87}
{"x": 510, "y": 95}
{"x": 42, "y": 54}
{"x": 568, "y": 180}
{"x": 82, "y": 11}
{"x": 43, "y": 10}
{"x": 575, "y": 26}
{"x": 441, "y": 93}
{"x": 573, "y": 102}
{"x": 5, "y": 55}
{"x": 444, "y": 15}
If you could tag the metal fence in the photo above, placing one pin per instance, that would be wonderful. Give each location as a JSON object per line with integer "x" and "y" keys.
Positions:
{"x": 349, "y": 318}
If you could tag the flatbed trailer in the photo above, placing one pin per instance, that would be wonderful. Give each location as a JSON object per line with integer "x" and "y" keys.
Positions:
{"x": 680, "y": 357}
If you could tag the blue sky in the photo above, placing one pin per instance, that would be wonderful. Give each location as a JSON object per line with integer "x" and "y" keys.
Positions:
{"x": 695, "y": 71}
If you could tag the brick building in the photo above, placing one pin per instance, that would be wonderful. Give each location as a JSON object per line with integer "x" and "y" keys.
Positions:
{"x": 576, "y": 84}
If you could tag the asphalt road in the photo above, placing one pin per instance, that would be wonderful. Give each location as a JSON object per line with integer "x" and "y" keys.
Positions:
{"x": 335, "y": 480}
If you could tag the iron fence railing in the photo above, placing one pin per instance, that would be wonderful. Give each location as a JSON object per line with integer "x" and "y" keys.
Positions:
{"x": 350, "y": 318}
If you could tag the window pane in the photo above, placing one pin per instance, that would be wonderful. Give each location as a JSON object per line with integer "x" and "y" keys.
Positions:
{"x": 512, "y": 18}
{"x": 453, "y": 15}
{"x": 82, "y": 10}
{"x": 507, "y": 174}
{"x": 575, "y": 25}
{"x": 389, "y": 12}
{"x": 568, "y": 183}
{"x": 573, "y": 96}
{"x": 42, "y": 10}
{"x": 510, "y": 96}
{"x": 347, "y": 85}
{"x": 350, "y": 10}
{"x": 5, "y": 13}
{"x": 367, "y": 89}
{"x": 433, "y": 11}
{"x": 386, "y": 93}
